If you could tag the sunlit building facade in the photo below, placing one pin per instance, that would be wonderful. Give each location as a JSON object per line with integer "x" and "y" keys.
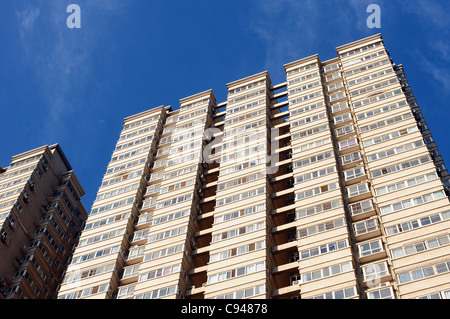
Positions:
{"x": 328, "y": 185}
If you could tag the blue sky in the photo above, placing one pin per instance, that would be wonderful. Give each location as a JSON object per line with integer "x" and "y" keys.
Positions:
{"x": 75, "y": 86}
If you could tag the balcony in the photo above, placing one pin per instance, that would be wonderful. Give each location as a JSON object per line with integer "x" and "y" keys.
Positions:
{"x": 366, "y": 229}
{"x": 362, "y": 210}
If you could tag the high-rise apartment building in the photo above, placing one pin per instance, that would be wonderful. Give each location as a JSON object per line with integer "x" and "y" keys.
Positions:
{"x": 41, "y": 218}
{"x": 328, "y": 185}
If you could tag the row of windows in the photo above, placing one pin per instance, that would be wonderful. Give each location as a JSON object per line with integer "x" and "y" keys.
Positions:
{"x": 242, "y": 129}
{"x": 147, "y": 120}
{"x": 241, "y": 271}
{"x": 305, "y": 87}
{"x": 303, "y": 68}
{"x": 172, "y": 139}
{"x": 121, "y": 178}
{"x": 177, "y": 186}
{"x": 172, "y": 216}
{"x": 23, "y": 170}
{"x": 381, "y": 110}
{"x": 107, "y": 221}
{"x": 193, "y": 104}
{"x": 386, "y": 137}
{"x": 253, "y": 135}
{"x": 338, "y": 294}
{"x": 182, "y": 159}
{"x": 237, "y": 251}
{"x": 303, "y": 78}
{"x": 412, "y": 202}
{"x": 318, "y": 209}
{"x": 174, "y": 201}
{"x": 117, "y": 191}
{"x": 374, "y": 271}
{"x": 312, "y": 145}
{"x": 142, "y": 140}
{"x": 238, "y": 231}
{"x": 159, "y": 272}
{"x": 125, "y": 166}
{"x": 309, "y": 119}
{"x": 78, "y": 275}
{"x": 147, "y": 129}
{"x": 313, "y": 159}
{"x": 307, "y": 108}
{"x": 305, "y": 97}
{"x": 315, "y": 174}
{"x": 320, "y": 228}
{"x": 424, "y": 272}
{"x": 241, "y": 196}
{"x": 437, "y": 295}
{"x": 323, "y": 249}
{"x": 14, "y": 182}
{"x": 327, "y": 272}
{"x": 158, "y": 293}
{"x": 373, "y": 87}
{"x": 370, "y": 77}
{"x": 316, "y": 191}
{"x": 379, "y": 124}
{"x": 241, "y": 166}
{"x": 85, "y": 292}
{"x": 112, "y": 206}
{"x": 399, "y": 167}
{"x": 417, "y": 223}
{"x": 176, "y": 149}
{"x": 406, "y": 183}
{"x": 105, "y": 236}
{"x": 97, "y": 254}
{"x": 245, "y": 152}
{"x": 244, "y": 293}
{"x": 421, "y": 246}
{"x": 245, "y": 117}
{"x": 394, "y": 151}
{"x": 370, "y": 248}
{"x": 367, "y": 57}
{"x": 309, "y": 132}
{"x": 244, "y": 107}
{"x": 239, "y": 181}
{"x": 239, "y": 213}
{"x": 136, "y": 152}
{"x": 11, "y": 192}
{"x": 247, "y": 96}
{"x": 246, "y": 87}
{"x": 361, "y": 49}
{"x": 164, "y": 252}
{"x": 377, "y": 98}
{"x": 168, "y": 234}
{"x": 170, "y": 129}
{"x": 178, "y": 118}
{"x": 181, "y": 172}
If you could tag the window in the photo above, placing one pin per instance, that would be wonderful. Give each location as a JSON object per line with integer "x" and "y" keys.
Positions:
{"x": 365, "y": 226}
{"x": 375, "y": 271}
{"x": 384, "y": 293}
{"x": 327, "y": 272}
{"x": 413, "y": 202}
{"x": 318, "y": 209}
{"x": 370, "y": 248}
{"x": 305, "y": 232}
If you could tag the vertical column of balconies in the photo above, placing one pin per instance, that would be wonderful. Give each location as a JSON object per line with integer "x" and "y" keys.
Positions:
{"x": 99, "y": 260}
{"x": 401, "y": 176}
{"x": 238, "y": 260}
{"x": 319, "y": 244}
{"x": 174, "y": 202}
